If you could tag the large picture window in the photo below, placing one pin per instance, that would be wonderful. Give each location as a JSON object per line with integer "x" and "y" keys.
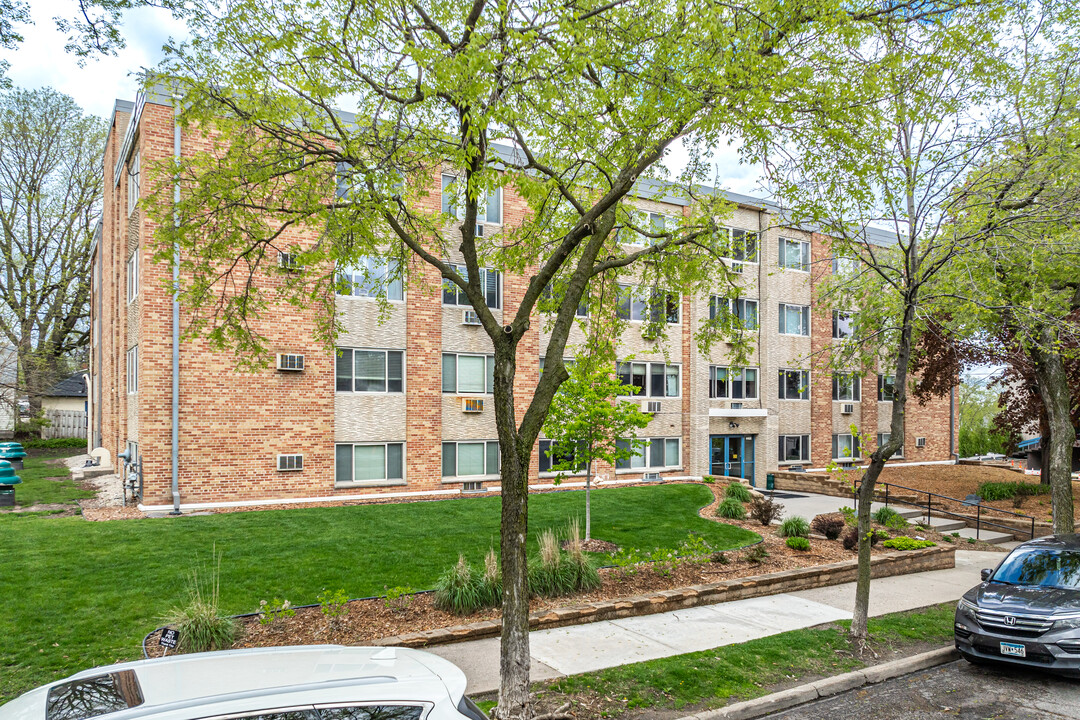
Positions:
{"x": 845, "y": 387}
{"x": 470, "y": 459}
{"x": 368, "y": 462}
{"x": 549, "y": 457}
{"x": 638, "y": 305}
{"x": 378, "y": 371}
{"x": 657, "y": 453}
{"x": 742, "y": 245}
{"x": 490, "y": 284}
{"x": 652, "y": 222}
{"x": 794, "y": 254}
{"x": 651, "y": 379}
{"x": 733, "y": 383}
{"x": 370, "y": 277}
{"x": 468, "y": 373}
{"x": 794, "y": 319}
{"x": 794, "y": 384}
{"x": 745, "y": 312}
{"x": 794, "y": 448}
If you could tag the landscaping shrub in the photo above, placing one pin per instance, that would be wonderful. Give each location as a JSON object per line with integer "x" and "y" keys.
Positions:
{"x": 731, "y": 509}
{"x": 851, "y": 539}
{"x": 738, "y": 491}
{"x": 580, "y": 570}
{"x": 756, "y": 553}
{"x": 397, "y": 598}
{"x": 991, "y": 491}
{"x": 765, "y": 510}
{"x": 719, "y": 558}
{"x": 905, "y": 543}
{"x": 459, "y": 590}
{"x": 548, "y": 575}
{"x": 794, "y": 526}
{"x": 850, "y": 516}
{"x": 797, "y": 543}
{"x": 829, "y": 524}
{"x": 201, "y": 626}
{"x": 708, "y": 479}
{"x": 334, "y": 606}
{"x": 275, "y": 610}
{"x": 883, "y": 514}
{"x": 948, "y": 538}
{"x": 53, "y": 443}
{"x": 897, "y": 522}
{"x": 491, "y": 580}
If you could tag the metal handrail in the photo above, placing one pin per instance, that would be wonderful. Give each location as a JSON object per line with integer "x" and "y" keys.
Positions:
{"x": 979, "y": 522}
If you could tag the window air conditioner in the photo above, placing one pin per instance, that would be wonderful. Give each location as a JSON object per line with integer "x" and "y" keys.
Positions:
{"x": 290, "y": 361}
{"x": 650, "y": 406}
{"x": 920, "y": 442}
{"x": 286, "y": 463}
{"x": 650, "y": 476}
{"x": 472, "y": 405}
{"x": 847, "y": 409}
{"x": 469, "y": 317}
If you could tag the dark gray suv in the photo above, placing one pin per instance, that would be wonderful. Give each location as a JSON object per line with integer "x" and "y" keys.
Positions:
{"x": 1027, "y": 609}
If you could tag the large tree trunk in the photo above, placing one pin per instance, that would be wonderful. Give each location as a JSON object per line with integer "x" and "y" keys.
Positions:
{"x": 1057, "y": 453}
{"x": 860, "y": 614}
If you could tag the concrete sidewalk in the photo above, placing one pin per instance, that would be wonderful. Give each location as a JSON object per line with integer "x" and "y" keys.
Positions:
{"x": 599, "y": 645}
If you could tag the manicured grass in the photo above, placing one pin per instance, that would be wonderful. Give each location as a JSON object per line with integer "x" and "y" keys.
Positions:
{"x": 94, "y": 589}
{"x": 47, "y": 483}
{"x": 743, "y": 671}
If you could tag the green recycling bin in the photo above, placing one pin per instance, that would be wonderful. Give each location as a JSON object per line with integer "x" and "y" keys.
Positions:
{"x": 770, "y": 481}
{"x": 8, "y": 481}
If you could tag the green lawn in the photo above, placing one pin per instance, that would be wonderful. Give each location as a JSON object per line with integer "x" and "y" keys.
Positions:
{"x": 94, "y": 589}
{"x": 47, "y": 483}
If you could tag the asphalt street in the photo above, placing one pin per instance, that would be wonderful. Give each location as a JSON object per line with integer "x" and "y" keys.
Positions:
{"x": 955, "y": 690}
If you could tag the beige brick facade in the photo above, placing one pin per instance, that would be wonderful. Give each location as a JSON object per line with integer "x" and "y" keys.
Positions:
{"x": 234, "y": 424}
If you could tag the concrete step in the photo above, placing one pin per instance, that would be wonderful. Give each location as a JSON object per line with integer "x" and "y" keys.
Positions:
{"x": 908, "y": 513}
{"x": 946, "y": 524}
{"x": 989, "y": 536}
{"x": 98, "y": 471}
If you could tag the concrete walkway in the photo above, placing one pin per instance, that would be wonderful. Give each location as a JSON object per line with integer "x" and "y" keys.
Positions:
{"x": 599, "y": 645}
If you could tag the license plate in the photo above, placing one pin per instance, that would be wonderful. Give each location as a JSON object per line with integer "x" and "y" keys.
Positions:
{"x": 1014, "y": 649}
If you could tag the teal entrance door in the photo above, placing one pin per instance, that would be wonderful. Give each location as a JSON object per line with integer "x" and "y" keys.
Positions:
{"x": 732, "y": 455}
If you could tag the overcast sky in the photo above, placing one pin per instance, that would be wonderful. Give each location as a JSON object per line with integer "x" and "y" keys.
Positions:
{"x": 40, "y": 61}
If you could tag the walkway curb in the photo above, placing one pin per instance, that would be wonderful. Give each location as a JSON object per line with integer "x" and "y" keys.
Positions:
{"x": 786, "y": 699}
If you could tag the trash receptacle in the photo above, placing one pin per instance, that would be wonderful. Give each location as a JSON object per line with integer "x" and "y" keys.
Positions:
{"x": 770, "y": 481}
{"x": 8, "y": 481}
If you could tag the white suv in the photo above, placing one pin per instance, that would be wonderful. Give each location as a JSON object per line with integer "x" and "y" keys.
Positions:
{"x": 314, "y": 682}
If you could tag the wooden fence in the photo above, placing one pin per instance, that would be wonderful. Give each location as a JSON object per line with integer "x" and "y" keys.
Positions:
{"x": 64, "y": 424}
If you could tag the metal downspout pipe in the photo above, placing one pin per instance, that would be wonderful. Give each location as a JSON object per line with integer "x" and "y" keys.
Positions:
{"x": 176, "y": 319}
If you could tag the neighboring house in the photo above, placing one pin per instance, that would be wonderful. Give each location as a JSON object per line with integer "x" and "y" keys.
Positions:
{"x": 8, "y": 379}
{"x": 68, "y": 394}
{"x": 404, "y": 407}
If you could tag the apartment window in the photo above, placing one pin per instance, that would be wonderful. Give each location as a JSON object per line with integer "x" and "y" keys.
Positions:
{"x": 654, "y": 306}
{"x": 794, "y": 319}
{"x": 845, "y": 386}
{"x": 841, "y": 324}
{"x": 844, "y": 266}
{"x": 883, "y": 438}
{"x": 657, "y": 453}
{"x": 468, "y": 373}
{"x": 133, "y": 182}
{"x": 655, "y": 223}
{"x": 133, "y": 370}
{"x": 489, "y": 283}
{"x": 794, "y": 384}
{"x": 369, "y": 462}
{"x": 794, "y": 254}
{"x": 742, "y": 246}
{"x": 742, "y": 310}
{"x": 549, "y": 457}
{"x": 794, "y": 448}
{"x": 488, "y": 206}
{"x": 733, "y": 383}
{"x": 548, "y": 294}
{"x": 886, "y": 388}
{"x": 133, "y": 276}
{"x": 370, "y": 277}
{"x": 651, "y": 379}
{"x": 845, "y": 447}
{"x": 377, "y": 371}
{"x": 470, "y": 459}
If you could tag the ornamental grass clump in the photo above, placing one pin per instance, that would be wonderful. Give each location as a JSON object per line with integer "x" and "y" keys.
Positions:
{"x": 491, "y": 580}
{"x": 731, "y": 509}
{"x": 199, "y": 622}
{"x": 458, "y": 590}
{"x": 549, "y": 575}
{"x": 583, "y": 575}
{"x": 739, "y": 492}
{"x": 794, "y": 526}
{"x": 884, "y": 514}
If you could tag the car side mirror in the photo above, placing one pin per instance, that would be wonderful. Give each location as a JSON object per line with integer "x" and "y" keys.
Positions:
{"x": 985, "y": 573}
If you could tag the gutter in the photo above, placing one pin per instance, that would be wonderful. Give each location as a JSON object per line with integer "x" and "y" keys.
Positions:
{"x": 175, "y": 459}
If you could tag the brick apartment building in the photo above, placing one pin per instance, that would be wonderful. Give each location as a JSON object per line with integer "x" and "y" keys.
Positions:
{"x": 398, "y": 409}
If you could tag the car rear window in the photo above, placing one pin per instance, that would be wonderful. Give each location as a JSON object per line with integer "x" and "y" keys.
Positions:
{"x": 1040, "y": 568}
{"x": 93, "y": 696}
{"x": 372, "y": 712}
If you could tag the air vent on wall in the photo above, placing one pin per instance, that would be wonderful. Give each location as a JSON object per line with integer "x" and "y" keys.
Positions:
{"x": 736, "y": 406}
{"x": 469, "y": 317}
{"x": 847, "y": 409}
{"x": 650, "y": 406}
{"x": 290, "y": 361}
{"x": 288, "y": 261}
{"x": 472, "y": 487}
{"x": 650, "y": 476}
{"x": 286, "y": 463}
{"x": 920, "y": 442}
{"x": 472, "y": 405}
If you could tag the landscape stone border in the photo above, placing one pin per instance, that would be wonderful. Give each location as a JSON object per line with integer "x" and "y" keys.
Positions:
{"x": 883, "y": 565}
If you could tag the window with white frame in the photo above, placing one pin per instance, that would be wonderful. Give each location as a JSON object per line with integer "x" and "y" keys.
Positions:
{"x": 844, "y": 266}
{"x": 551, "y": 455}
{"x": 638, "y": 305}
{"x": 470, "y": 459}
{"x": 657, "y": 453}
{"x": 742, "y": 310}
{"x": 846, "y": 387}
{"x": 133, "y": 275}
{"x": 742, "y": 245}
{"x": 490, "y": 285}
{"x": 352, "y": 183}
{"x": 841, "y": 324}
{"x": 133, "y": 370}
{"x": 488, "y": 206}
{"x": 654, "y": 223}
{"x": 133, "y": 182}
{"x": 733, "y": 383}
{"x": 370, "y": 371}
{"x": 794, "y": 448}
{"x": 794, "y": 384}
{"x": 886, "y": 388}
{"x": 794, "y": 319}
{"x": 794, "y": 254}
{"x": 370, "y": 277}
{"x": 883, "y": 438}
{"x": 368, "y": 462}
{"x": 651, "y": 379}
{"x": 845, "y": 447}
{"x": 462, "y": 373}
{"x": 548, "y": 294}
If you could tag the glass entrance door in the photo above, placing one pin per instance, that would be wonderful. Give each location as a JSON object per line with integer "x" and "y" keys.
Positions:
{"x": 732, "y": 455}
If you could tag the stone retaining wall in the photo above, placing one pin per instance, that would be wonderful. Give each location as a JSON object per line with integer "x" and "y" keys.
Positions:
{"x": 883, "y": 565}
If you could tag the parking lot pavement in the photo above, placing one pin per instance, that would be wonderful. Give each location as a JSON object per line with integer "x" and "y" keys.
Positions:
{"x": 956, "y": 690}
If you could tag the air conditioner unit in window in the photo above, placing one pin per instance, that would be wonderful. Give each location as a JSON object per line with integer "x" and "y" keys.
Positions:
{"x": 290, "y": 361}
{"x": 469, "y": 317}
{"x": 287, "y": 463}
{"x": 847, "y": 409}
{"x": 472, "y": 405}
{"x": 736, "y": 406}
{"x": 479, "y": 230}
{"x": 650, "y": 476}
{"x": 920, "y": 442}
{"x": 650, "y": 406}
